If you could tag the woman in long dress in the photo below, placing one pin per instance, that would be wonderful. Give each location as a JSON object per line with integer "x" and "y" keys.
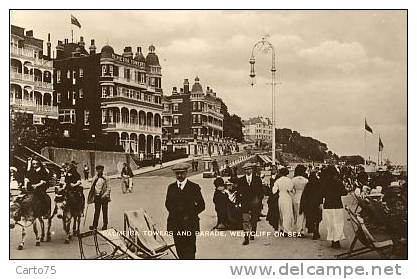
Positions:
{"x": 273, "y": 210}
{"x": 311, "y": 200}
{"x": 285, "y": 188}
{"x": 333, "y": 190}
{"x": 299, "y": 182}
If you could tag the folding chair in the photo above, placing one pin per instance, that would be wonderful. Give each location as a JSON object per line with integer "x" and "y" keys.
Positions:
{"x": 365, "y": 237}
{"x": 98, "y": 253}
{"x": 143, "y": 232}
{"x": 121, "y": 246}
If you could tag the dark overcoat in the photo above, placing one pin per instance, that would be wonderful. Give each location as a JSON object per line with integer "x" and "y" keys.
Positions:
{"x": 250, "y": 196}
{"x": 184, "y": 206}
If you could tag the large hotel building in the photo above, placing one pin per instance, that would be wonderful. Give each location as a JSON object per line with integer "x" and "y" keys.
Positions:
{"x": 257, "y": 129}
{"x": 109, "y": 99}
{"x": 193, "y": 122}
{"x": 31, "y": 77}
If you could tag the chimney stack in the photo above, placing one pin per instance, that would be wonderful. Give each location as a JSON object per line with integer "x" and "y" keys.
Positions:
{"x": 48, "y": 46}
{"x": 92, "y": 47}
{"x": 59, "y": 50}
{"x": 186, "y": 86}
{"x": 174, "y": 90}
{"x": 127, "y": 52}
{"x": 81, "y": 43}
{"x": 29, "y": 33}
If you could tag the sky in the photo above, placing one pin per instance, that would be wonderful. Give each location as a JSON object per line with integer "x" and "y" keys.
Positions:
{"x": 334, "y": 68}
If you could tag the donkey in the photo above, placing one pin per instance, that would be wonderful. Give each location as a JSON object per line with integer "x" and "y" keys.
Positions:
{"x": 69, "y": 208}
{"x": 25, "y": 211}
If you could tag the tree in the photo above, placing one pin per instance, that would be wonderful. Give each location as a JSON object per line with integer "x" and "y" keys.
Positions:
{"x": 305, "y": 147}
{"x": 24, "y": 133}
{"x": 232, "y": 124}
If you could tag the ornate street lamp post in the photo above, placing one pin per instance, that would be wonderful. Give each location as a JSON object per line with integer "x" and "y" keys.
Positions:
{"x": 266, "y": 46}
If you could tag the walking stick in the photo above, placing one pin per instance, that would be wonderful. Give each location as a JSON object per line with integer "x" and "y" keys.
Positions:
{"x": 85, "y": 216}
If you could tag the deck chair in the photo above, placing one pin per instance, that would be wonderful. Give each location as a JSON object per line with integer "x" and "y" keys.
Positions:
{"x": 121, "y": 246}
{"x": 98, "y": 254}
{"x": 365, "y": 237}
{"x": 142, "y": 231}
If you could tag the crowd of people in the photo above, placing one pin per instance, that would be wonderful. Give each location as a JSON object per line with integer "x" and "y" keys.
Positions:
{"x": 297, "y": 204}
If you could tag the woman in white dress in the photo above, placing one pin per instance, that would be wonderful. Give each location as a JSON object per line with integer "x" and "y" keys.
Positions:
{"x": 285, "y": 188}
{"x": 300, "y": 183}
{"x": 333, "y": 190}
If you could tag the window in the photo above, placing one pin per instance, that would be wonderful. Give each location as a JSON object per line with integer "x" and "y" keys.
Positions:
{"x": 103, "y": 92}
{"x": 67, "y": 116}
{"x": 103, "y": 116}
{"x": 111, "y": 70}
{"x": 58, "y": 97}
{"x": 175, "y": 107}
{"x": 127, "y": 74}
{"x": 176, "y": 131}
{"x": 68, "y": 74}
{"x": 74, "y": 96}
{"x": 199, "y": 118}
{"x": 80, "y": 93}
{"x": 111, "y": 91}
{"x": 175, "y": 119}
{"x": 194, "y": 118}
{"x": 37, "y": 119}
{"x": 73, "y": 77}
{"x": 194, "y": 105}
{"x": 103, "y": 70}
{"x": 58, "y": 76}
{"x": 86, "y": 117}
{"x": 81, "y": 72}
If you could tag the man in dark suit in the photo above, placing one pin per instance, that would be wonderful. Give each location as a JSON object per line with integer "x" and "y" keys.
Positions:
{"x": 184, "y": 202}
{"x": 250, "y": 193}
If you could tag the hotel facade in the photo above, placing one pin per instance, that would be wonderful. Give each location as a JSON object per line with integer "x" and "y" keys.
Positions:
{"x": 110, "y": 99}
{"x": 192, "y": 121}
{"x": 31, "y": 77}
{"x": 257, "y": 129}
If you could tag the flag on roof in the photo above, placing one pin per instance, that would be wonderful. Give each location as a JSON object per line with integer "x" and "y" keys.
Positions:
{"x": 75, "y": 21}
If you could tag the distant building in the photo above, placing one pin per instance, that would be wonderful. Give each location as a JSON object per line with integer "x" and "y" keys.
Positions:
{"x": 257, "y": 129}
{"x": 109, "y": 99}
{"x": 192, "y": 121}
{"x": 31, "y": 75}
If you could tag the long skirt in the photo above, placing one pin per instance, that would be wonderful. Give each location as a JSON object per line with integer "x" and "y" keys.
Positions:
{"x": 286, "y": 213}
{"x": 335, "y": 221}
{"x": 300, "y": 219}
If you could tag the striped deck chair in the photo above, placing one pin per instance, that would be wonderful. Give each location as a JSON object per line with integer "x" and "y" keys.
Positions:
{"x": 142, "y": 230}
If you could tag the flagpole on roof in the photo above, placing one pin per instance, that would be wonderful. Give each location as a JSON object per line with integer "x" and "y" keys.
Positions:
{"x": 72, "y": 30}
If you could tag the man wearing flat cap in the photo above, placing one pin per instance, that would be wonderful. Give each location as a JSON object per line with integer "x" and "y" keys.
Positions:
{"x": 184, "y": 202}
{"x": 99, "y": 195}
{"x": 250, "y": 193}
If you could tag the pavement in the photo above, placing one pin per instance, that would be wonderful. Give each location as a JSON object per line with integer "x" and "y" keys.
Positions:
{"x": 149, "y": 193}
